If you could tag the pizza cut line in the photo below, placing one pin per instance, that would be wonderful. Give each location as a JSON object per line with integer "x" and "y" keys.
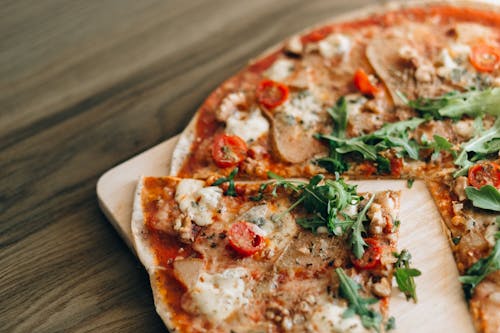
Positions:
{"x": 258, "y": 232}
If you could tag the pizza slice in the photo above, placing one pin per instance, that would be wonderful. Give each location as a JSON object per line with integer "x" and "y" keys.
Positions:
{"x": 281, "y": 256}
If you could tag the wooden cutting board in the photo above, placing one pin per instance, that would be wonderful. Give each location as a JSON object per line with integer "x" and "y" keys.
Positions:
{"x": 441, "y": 305}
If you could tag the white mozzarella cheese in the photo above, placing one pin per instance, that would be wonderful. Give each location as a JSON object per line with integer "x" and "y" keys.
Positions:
{"x": 219, "y": 295}
{"x": 247, "y": 125}
{"x": 490, "y": 233}
{"x": 328, "y": 318}
{"x": 199, "y": 203}
{"x": 280, "y": 70}
{"x": 335, "y": 45}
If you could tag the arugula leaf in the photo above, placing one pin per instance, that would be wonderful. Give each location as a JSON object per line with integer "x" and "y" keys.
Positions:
{"x": 350, "y": 291}
{"x": 334, "y": 162}
{"x": 356, "y": 240}
{"x": 404, "y": 275}
{"x": 455, "y": 104}
{"x": 483, "y": 143}
{"x": 487, "y": 197}
{"x": 477, "y": 272}
{"x": 231, "y": 191}
{"x": 440, "y": 144}
{"x": 409, "y": 182}
{"x": 392, "y": 135}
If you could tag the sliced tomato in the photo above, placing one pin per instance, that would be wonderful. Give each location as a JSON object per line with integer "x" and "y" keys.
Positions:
{"x": 485, "y": 57}
{"x": 271, "y": 94}
{"x": 371, "y": 257}
{"x": 485, "y": 173}
{"x": 228, "y": 150}
{"x": 362, "y": 82}
{"x": 244, "y": 238}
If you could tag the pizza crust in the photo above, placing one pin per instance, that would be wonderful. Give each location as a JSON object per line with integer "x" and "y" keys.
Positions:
{"x": 146, "y": 255}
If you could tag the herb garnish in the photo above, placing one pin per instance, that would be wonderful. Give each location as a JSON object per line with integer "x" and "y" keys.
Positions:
{"x": 478, "y": 147}
{"x": 456, "y": 104}
{"x": 409, "y": 182}
{"x": 358, "y": 305}
{"x": 335, "y": 162}
{"x": 326, "y": 202}
{"x": 404, "y": 275}
{"x": 477, "y": 272}
{"x": 487, "y": 197}
{"x": 231, "y": 191}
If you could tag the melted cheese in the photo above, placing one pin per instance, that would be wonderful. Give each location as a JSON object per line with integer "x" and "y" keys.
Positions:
{"x": 199, "y": 203}
{"x": 328, "y": 318}
{"x": 219, "y": 295}
{"x": 280, "y": 70}
{"x": 303, "y": 109}
{"x": 335, "y": 45}
{"x": 247, "y": 125}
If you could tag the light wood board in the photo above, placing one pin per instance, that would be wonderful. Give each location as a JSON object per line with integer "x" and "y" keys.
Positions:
{"x": 441, "y": 305}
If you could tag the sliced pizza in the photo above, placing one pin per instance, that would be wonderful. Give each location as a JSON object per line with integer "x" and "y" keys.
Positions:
{"x": 281, "y": 256}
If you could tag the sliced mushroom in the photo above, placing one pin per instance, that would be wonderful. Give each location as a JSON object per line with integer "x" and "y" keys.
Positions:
{"x": 293, "y": 143}
{"x": 187, "y": 271}
{"x": 384, "y": 55}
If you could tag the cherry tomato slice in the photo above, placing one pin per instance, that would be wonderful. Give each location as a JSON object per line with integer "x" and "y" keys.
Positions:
{"x": 271, "y": 94}
{"x": 396, "y": 166}
{"x": 362, "y": 82}
{"x": 371, "y": 257}
{"x": 484, "y": 57}
{"x": 228, "y": 150}
{"x": 244, "y": 238}
{"x": 486, "y": 173}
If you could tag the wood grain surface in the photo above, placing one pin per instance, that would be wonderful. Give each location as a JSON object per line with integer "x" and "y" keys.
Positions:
{"x": 85, "y": 85}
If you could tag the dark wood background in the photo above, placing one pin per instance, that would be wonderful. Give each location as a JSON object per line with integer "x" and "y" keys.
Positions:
{"x": 85, "y": 85}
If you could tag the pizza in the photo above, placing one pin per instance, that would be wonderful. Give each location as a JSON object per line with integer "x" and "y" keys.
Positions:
{"x": 233, "y": 240}
{"x": 249, "y": 262}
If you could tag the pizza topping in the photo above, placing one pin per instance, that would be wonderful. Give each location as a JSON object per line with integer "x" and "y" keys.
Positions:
{"x": 231, "y": 104}
{"x": 228, "y": 150}
{"x": 294, "y": 45}
{"x": 246, "y": 238}
{"x": 330, "y": 317}
{"x": 280, "y": 70}
{"x": 477, "y": 272}
{"x": 188, "y": 270}
{"x": 371, "y": 257}
{"x": 459, "y": 186}
{"x": 358, "y": 305}
{"x": 364, "y": 84}
{"x": 455, "y": 104}
{"x": 231, "y": 190}
{"x": 247, "y": 125}
{"x": 200, "y": 204}
{"x": 303, "y": 109}
{"x": 485, "y": 57}
{"x": 404, "y": 275}
{"x": 485, "y": 173}
{"x": 219, "y": 295}
{"x": 378, "y": 221}
{"x": 487, "y": 197}
{"x": 335, "y": 45}
{"x": 271, "y": 94}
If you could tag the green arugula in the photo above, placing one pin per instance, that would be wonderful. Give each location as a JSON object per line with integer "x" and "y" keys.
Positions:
{"x": 456, "y": 104}
{"x": 487, "y": 197}
{"x": 335, "y": 162}
{"x": 438, "y": 145}
{"x": 392, "y": 135}
{"x": 356, "y": 240}
{"x": 404, "y": 275}
{"x": 326, "y": 202}
{"x": 358, "y": 305}
{"x": 478, "y": 147}
{"x": 231, "y": 191}
{"x": 477, "y": 272}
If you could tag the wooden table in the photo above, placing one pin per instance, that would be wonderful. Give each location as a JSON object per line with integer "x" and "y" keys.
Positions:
{"x": 85, "y": 85}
